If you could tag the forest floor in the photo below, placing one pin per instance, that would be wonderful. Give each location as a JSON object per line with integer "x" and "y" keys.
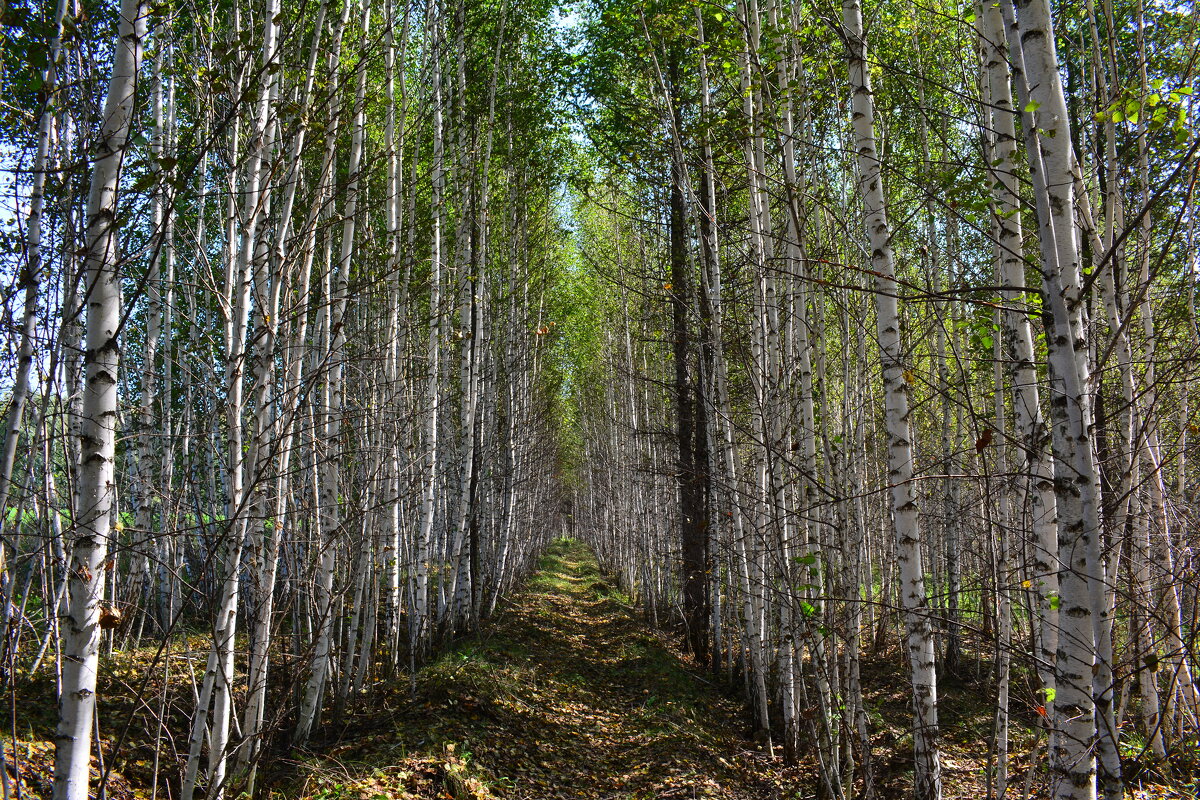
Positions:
{"x": 566, "y": 694}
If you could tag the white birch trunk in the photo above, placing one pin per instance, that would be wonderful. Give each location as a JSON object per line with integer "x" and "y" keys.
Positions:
{"x": 30, "y": 282}
{"x": 1038, "y": 510}
{"x": 896, "y": 411}
{"x": 1082, "y": 590}
{"x": 333, "y": 395}
{"x": 96, "y": 482}
{"x": 433, "y": 350}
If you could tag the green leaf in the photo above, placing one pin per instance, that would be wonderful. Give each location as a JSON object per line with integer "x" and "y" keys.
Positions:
{"x": 1032, "y": 106}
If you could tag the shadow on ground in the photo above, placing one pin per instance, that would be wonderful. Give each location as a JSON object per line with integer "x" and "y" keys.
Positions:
{"x": 565, "y": 695}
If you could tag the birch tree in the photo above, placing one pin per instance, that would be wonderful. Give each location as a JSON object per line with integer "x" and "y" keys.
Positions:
{"x": 896, "y": 411}
{"x": 96, "y": 484}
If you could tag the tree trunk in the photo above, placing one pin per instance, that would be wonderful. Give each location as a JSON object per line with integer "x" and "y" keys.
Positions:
{"x": 896, "y": 410}
{"x": 96, "y": 483}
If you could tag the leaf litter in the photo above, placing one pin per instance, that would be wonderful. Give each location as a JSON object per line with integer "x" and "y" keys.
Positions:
{"x": 566, "y": 694}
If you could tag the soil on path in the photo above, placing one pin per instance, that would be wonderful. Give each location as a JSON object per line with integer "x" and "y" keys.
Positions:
{"x": 565, "y": 695}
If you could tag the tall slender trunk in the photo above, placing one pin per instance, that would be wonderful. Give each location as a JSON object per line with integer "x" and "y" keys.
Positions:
{"x": 896, "y": 411}
{"x": 96, "y": 482}
{"x": 1081, "y": 592}
{"x": 1035, "y": 492}
{"x": 433, "y": 349}
{"x": 29, "y": 280}
{"x": 268, "y": 539}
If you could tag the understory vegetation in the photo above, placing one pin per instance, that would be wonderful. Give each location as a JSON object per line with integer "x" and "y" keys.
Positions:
{"x": 836, "y": 363}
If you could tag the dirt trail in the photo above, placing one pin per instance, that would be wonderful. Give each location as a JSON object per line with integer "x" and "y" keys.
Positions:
{"x": 565, "y": 695}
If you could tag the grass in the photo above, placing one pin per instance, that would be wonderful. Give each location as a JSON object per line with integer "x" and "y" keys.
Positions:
{"x": 565, "y": 695}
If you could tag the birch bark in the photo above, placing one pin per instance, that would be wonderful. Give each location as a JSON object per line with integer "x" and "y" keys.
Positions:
{"x": 1036, "y": 493}
{"x": 433, "y": 349}
{"x": 1082, "y": 604}
{"x": 331, "y": 411}
{"x": 96, "y": 482}
{"x": 896, "y": 411}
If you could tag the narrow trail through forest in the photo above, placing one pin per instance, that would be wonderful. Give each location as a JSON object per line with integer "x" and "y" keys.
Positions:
{"x": 566, "y": 694}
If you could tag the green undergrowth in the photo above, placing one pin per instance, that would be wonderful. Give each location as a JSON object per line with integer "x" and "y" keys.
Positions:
{"x": 565, "y": 694}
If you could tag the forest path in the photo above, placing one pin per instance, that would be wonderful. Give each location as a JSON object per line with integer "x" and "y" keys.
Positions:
{"x": 564, "y": 695}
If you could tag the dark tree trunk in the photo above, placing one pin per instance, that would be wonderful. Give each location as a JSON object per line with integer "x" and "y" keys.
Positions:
{"x": 689, "y": 433}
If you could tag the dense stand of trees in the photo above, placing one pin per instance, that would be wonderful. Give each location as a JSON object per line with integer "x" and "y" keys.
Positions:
{"x": 906, "y": 357}
{"x": 280, "y": 380}
{"x": 833, "y": 329}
